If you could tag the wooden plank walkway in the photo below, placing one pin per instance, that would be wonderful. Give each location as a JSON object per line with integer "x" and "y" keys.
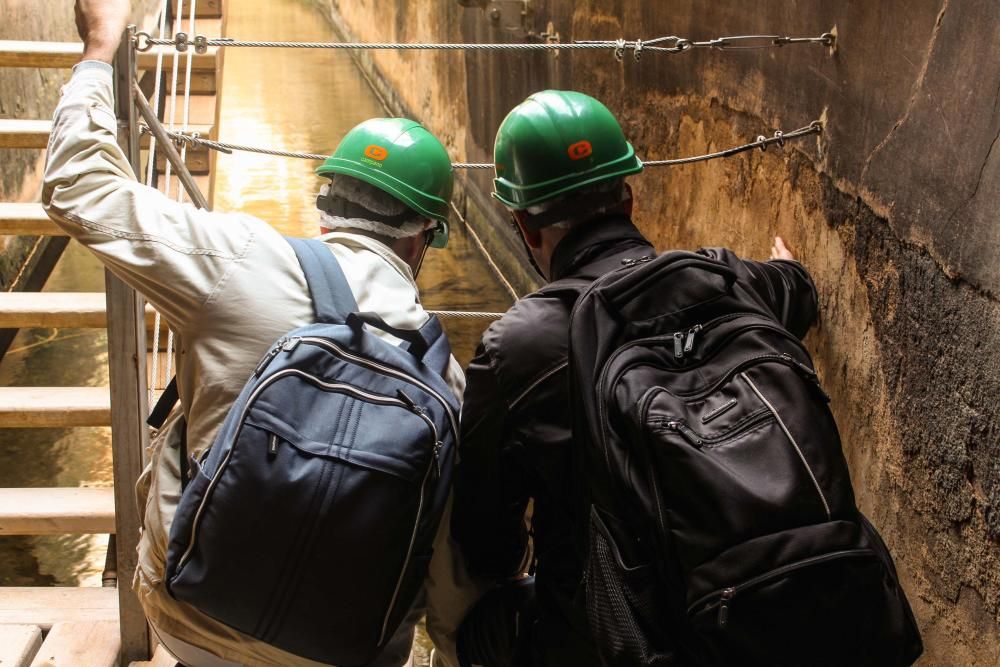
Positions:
{"x": 94, "y": 644}
{"x": 45, "y": 606}
{"x": 54, "y": 407}
{"x": 54, "y": 511}
{"x": 18, "y": 644}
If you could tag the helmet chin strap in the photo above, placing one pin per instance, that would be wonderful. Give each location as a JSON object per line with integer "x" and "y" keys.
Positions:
{"x": 527, "y": 248}
{"x": 428, "y": 237}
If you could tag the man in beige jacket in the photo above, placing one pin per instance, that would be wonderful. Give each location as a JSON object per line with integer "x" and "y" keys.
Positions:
{"x": 229, "y": 285}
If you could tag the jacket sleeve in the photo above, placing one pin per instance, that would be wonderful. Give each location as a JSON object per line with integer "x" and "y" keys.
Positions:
{"x": 176, "y": 255}
{"x": 784, "y": 285}
{"x": 488, "y": 517}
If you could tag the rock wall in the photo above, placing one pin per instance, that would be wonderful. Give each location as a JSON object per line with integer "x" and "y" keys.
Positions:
{"x": 893, "y": 210}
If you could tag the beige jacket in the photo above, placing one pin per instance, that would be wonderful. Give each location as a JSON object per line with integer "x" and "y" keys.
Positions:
{"x": 230, "y": 286}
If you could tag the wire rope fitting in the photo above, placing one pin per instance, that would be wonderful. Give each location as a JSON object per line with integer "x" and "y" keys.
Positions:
{"x": 142, "y": 42}
{"x": 200, "y": 44}
{"x": 817, "y": 127}
{"x": 762, "y": 143}
{"x": 638, "y": 50}
{"x": 181, "y": 42}
{"x": 779, "y": 138}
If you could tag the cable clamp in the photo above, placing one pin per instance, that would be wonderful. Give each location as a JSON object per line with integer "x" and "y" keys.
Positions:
{"x": 762, "y": 143}
{"x": 619, "y": 49}
{"x": 638, "y": 49}
{"x": 201, "y": 44}
{"x": 181, "y": 42}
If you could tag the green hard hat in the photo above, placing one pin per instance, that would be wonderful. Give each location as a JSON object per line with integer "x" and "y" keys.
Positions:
{"x": 554, "y": 142}
{"x": 400, "y": 157}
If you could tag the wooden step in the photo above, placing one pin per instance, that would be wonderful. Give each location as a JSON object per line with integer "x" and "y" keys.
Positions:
{"x": 203, "y": 181}
{"x": 27, "y": 220}
{"x": 207, "y": 9}
{"x": 197, "y": 160}
{"x": 18, "y": 644}
{"x": 79, "y": 310}
{"x": 95, "y": 644}
{"x": 64, "y": 55}
{"x": 47, "y": 606}
{"x": 54, "y": 407}
{"x": 56, "y": 511}
{"x": 17, "y": 133}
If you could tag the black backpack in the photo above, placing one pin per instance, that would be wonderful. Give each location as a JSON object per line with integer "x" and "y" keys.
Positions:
{"x": 723, "y": 528}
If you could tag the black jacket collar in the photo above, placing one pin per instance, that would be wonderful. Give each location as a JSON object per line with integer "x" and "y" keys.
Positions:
{"x": 597, "y": 239}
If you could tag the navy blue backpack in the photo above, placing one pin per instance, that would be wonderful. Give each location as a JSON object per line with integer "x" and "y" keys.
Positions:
{"x": 309, "y": 523}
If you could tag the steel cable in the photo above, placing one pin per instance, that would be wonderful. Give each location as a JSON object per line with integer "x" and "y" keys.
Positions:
{"x": 200, "y": 43}
{"x": 762, "y": 142}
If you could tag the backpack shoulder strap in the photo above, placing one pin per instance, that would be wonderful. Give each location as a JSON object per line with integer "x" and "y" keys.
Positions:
{"x": 331, "y": 295}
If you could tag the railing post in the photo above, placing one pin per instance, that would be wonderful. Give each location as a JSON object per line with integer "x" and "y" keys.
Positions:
{"x": 127, "y": 371}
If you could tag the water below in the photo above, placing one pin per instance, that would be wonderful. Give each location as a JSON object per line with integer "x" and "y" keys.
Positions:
{"x": 297, "y": 99}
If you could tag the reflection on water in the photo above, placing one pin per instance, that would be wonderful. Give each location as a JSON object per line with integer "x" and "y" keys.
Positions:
{"x": 295, "y": 99}
{"x": 306, "y": 100}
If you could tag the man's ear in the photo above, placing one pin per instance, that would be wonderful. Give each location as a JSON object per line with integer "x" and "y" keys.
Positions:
{"x": 532, "y": 237}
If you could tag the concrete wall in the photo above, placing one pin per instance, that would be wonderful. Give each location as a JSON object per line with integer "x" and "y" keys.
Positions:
{"x": 893, "y": 210}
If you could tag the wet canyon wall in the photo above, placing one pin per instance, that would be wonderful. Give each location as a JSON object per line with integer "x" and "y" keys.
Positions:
{"x": 892, "y": 209}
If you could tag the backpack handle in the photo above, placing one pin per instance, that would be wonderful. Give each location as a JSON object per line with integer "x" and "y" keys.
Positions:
{"x": 418, "y": 341}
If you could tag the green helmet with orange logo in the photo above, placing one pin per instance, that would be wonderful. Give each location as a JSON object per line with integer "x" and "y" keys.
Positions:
{"x": 402, "y": 158}
{"x": 555, "y": 142}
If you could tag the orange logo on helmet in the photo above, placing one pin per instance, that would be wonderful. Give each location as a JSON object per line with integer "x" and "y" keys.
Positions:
{"x": 580, "y": 150}
{"x": 376, "y": 152}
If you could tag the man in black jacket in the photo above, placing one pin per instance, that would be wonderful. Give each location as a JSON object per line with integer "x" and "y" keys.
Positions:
{"x": 561, "y": 159}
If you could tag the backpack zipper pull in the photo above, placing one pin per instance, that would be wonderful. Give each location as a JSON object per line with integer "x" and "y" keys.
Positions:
{"x": 685, "y": 432}
{"x": 437, "y": 458}
{"x": 291, "y": 344}
{"x": 689, "y": 343}
{"x": 271, "y": 354}
{"x": 679, "y": 344}
{"x": 272, "y": 445}
{"x": 727, "y": 595}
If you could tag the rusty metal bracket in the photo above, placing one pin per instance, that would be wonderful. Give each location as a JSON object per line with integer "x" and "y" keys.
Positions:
{"x": 511, "y": 17}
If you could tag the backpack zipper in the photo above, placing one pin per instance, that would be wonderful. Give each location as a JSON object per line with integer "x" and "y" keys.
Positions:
{"x": 382, "y": 368}
{"x": 727, "y": 594}
{"x": 684, "y": 341}
{"x": 698, "y": 440}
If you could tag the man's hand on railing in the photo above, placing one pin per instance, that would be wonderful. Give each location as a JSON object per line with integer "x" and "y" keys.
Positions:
{"x": 101, "y": 24}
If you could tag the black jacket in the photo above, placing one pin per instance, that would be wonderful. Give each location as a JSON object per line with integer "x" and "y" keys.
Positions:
{"x": 517, "y": 435}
